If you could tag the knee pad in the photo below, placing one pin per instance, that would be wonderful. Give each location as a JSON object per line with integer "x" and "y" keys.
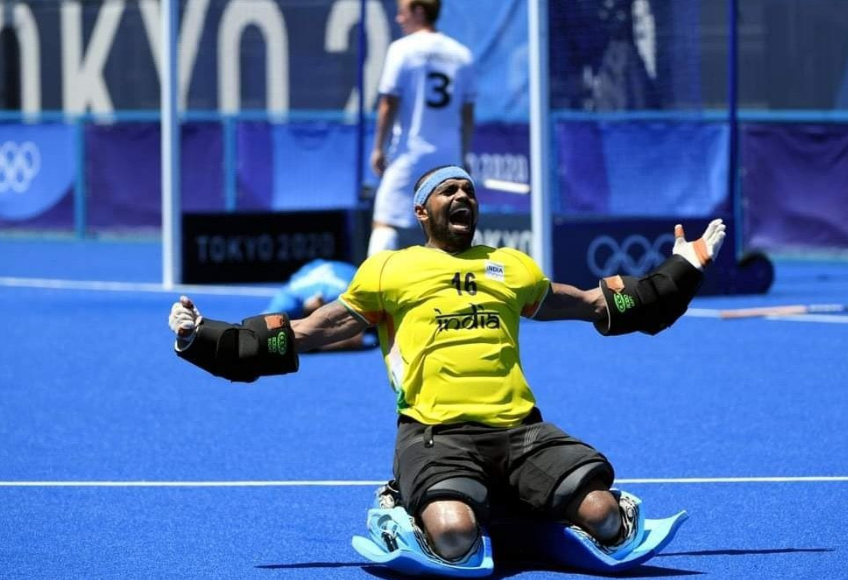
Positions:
{"x": 464, "y": 489}
{"x": 396, "y": 542}
{"x": 572, "y": 548}
{"x": 572, "y": 482}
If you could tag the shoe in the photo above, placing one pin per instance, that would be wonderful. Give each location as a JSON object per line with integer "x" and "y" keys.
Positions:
{"x": 630, "y": 534}
{"x": 629, "y": 510}
{"x": 388, "y": 496}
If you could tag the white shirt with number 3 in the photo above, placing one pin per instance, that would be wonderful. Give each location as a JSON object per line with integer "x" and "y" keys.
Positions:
{"x": 432, "y": 75}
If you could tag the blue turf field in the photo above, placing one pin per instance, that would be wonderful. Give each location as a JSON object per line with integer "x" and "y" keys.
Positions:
{"x": 117, "y": 460}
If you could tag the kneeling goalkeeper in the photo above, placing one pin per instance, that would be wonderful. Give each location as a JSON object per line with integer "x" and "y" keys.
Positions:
{"x": 447, "y": 314}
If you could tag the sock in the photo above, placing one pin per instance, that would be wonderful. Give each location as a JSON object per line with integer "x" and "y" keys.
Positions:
{"x": 382, "y": 238}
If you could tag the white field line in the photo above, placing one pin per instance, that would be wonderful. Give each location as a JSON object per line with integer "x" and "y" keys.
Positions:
{"x": 341, "y": 483}
{"x": 199, "y": 289}
{"x": 260, "y": 483}
{"x": 827, "y": 318}
{"x": 105, "y": 286}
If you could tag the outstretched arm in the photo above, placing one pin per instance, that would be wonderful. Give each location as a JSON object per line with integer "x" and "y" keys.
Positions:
{"x": 261, "y": 345}
{"x": 655, "y": 301}
{"x": 565, "y": 302}
{"x": 623, "y": 304}
{"x": 329, "y": 324}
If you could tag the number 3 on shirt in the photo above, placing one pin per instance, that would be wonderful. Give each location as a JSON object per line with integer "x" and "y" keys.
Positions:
{"x": 437, "y": 85}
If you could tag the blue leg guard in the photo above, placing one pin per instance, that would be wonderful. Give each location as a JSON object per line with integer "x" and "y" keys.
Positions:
{"x": 395, "y": 543}
{"x": 571, "y": 547}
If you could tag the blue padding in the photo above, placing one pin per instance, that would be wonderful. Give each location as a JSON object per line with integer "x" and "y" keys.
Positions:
{"x": 393, "y": 543}
{"x": 406, "y": 554}
{"x": 571, "y": 549}
{"x": 567, "y": 547}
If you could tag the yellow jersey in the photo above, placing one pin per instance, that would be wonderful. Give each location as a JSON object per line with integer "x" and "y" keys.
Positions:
{"x": 448, "y": 326}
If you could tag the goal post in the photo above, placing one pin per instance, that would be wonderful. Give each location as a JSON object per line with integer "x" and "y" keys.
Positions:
{"x": 170, "y": 146}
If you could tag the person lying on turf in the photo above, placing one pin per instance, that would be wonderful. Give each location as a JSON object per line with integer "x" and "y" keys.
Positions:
{"x": 314, "y": 284}
{"x": 447, "y": 313}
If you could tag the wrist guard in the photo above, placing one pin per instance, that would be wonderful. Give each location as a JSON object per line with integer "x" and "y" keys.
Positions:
{"x": 259, "y": 346}
{"x": 651, "y": 303}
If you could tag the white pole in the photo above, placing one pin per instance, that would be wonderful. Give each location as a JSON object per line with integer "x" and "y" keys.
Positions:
{"x": 170, "y": 144}
{"x": 540, "y": 217}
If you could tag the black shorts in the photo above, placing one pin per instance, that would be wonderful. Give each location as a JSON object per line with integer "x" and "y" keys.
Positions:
{"x": 520, "y": 466}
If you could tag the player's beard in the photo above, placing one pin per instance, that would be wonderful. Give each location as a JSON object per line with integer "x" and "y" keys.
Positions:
{"x": 453, "y": 239}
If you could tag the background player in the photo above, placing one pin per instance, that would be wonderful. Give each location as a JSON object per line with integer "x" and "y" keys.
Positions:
{"x": 314, "y": 284}
{"x": 426, "y": 105}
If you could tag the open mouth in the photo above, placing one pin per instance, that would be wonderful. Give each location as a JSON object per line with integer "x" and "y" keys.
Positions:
{"x": 461, "y": 217}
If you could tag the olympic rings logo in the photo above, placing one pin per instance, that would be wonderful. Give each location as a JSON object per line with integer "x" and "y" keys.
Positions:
{"x": 19, "y": 164}
{"x": 635, "y": 256}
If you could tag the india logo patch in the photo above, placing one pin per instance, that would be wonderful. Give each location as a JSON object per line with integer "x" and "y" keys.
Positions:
{"x": 495, "y": 271}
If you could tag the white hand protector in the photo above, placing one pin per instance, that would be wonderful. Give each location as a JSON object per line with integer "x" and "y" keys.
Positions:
{"x": 184, "y": 320}
{"x": 703, "y": 250}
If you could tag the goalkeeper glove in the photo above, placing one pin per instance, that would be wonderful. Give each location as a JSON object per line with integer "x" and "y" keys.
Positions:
{"x": 703, "y": 250}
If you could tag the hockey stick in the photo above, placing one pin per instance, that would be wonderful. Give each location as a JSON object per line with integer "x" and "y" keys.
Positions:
{"x": 794, "y": 309}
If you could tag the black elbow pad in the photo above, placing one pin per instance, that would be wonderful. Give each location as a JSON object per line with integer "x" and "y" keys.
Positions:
{"x": 260, "y": 346}
{"x": 651, "y": 303}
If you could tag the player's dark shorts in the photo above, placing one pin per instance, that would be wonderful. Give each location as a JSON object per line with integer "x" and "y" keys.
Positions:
{"x": 520, "y": 466}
